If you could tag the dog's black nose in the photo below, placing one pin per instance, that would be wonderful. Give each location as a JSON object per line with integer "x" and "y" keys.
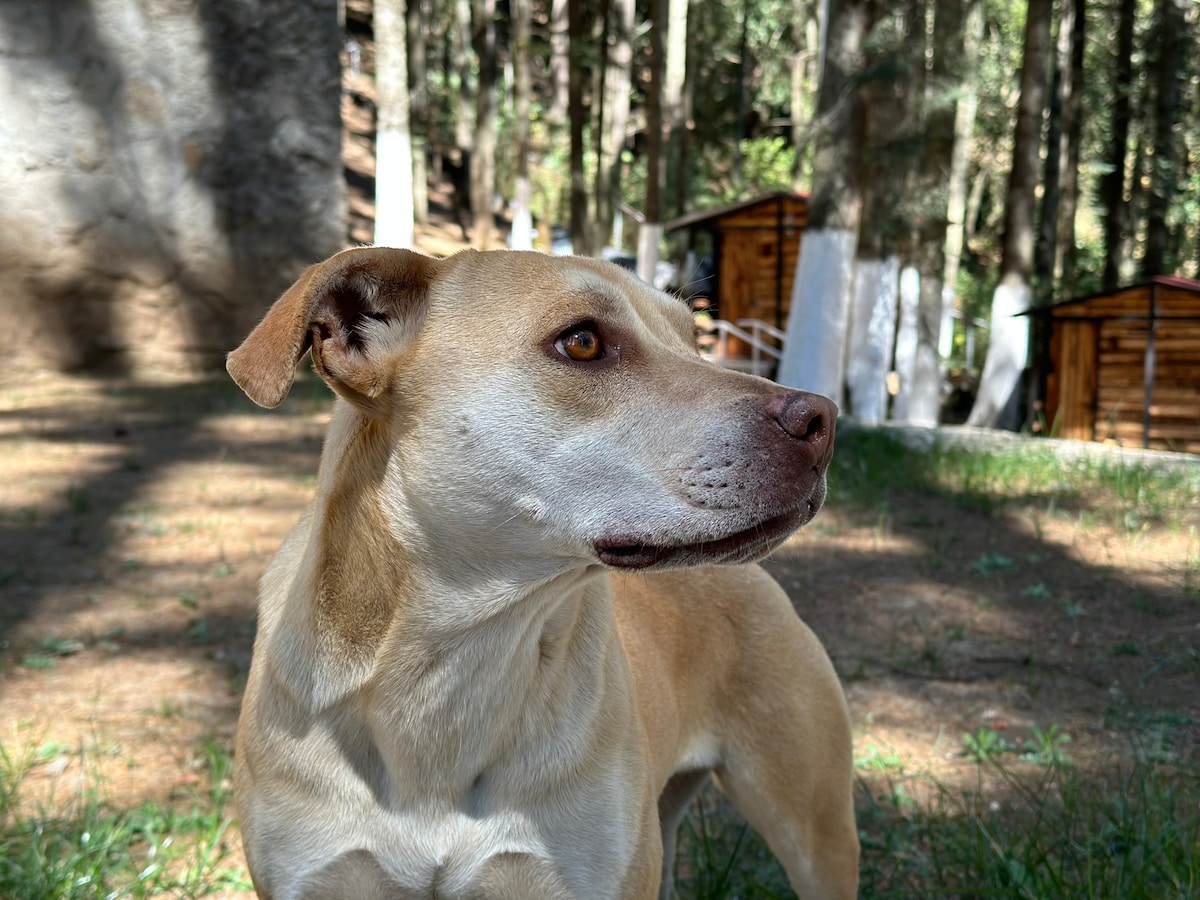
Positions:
{"x": 810, "y": 419}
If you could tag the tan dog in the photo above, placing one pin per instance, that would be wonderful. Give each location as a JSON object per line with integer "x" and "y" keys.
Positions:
{"x": 482, "y": 668}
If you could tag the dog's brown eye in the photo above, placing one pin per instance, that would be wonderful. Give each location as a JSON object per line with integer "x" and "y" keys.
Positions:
{"x": 580, "y": 345}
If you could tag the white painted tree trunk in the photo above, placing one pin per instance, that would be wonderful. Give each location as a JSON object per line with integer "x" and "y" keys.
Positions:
{"x": 998, "y": 402}
{"x": 393, "y": 143}
{"x": 522, "y": 222}
{"x": 872, "y": 335}
{"x": 393, "y": 190}
{"x": 649, "y": 235}
{"x": 907, "y": 340}
{"x": 920, "y": 399}
{"x": 924, "y": 407}
{"x": 521, "y": 236}
{"x": 814, "y": 358}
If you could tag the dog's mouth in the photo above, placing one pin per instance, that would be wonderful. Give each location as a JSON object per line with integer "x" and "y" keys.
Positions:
{"x": 741, "y": 546}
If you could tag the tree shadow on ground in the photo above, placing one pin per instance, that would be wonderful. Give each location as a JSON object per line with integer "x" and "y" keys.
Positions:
{"x": 107, "y": 446}
{"x": 1048, "y": 606}
{"x": 945, "y": 610}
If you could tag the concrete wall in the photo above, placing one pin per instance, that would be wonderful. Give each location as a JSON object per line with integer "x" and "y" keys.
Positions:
{"x": 166, "y": 169}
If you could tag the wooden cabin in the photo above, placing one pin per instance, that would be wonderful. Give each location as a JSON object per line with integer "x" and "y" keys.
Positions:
{"x": 756, "y": 244}
{"x": 1124, "y": 366}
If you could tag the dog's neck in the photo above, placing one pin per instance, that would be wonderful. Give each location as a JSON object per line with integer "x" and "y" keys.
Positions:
{"x": 486, "y": 693}
{"x": 370, "y": 605}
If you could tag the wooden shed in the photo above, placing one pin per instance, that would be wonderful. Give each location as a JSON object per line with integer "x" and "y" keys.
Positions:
{"x": 1124, "y": 366}
{"x": 755, "y": 247}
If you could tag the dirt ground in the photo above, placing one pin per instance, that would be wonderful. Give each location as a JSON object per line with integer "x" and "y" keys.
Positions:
{"x": 136, "y": 519}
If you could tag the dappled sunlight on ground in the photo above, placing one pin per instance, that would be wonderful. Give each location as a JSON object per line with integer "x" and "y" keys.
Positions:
{"x": 136, "y": 519}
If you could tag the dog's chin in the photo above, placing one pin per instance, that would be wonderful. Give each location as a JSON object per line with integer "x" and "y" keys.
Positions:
{"x": 742, "y": 546}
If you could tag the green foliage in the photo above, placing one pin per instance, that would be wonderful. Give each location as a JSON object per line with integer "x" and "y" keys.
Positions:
{"x": 984, "y": 746}
{"x": 1049, "y": 747}
{"x": 992, "y": 562}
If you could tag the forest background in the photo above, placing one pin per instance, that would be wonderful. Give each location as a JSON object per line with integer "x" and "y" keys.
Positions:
{"x": 1014, "y": 623}
{"x": 1023, "y": 151}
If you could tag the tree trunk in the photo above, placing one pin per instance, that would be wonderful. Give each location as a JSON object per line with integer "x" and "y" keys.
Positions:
{"x": 814, "y": 355}
{"x": 1135, "y": 208}
{"x": 1112, "y": 186}
{"x": 418, "y": 80}
{"x": 886, "y": 175}
{"x": 461, "y": 50}
{"x": 800, "y": 89}
{"x": 650, "y": 231}
{"x": 1046, "y": 251}
{"x": 483, "y": 150}
{"x": 998, "y": 403}
{"x": 958, "y": 179}
{"x": 673, "y": 84}
{"x": 614, "y": 117}
{"x": 560, "y": 66}
{"x": 1163, "y": 174}
{"x": 577, "y": 21}
{"x": 1073, "y": 123}
{"x": 393, "y": 141}
{"x": 522, "y": 223}
{"x": 919, "y": 395}
{"x": 739, "y": 133}
{"x": 680, "y": 141}
{"x": 872, "y": 335}
{"x": 594, "y": 237}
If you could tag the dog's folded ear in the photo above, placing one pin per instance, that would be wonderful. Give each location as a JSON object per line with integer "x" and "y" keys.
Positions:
{"x": 354, "y": 312}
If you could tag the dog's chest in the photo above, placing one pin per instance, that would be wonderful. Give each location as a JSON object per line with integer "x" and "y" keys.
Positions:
{"x": 427, "y": 855}
{"x": 411, "y": 820}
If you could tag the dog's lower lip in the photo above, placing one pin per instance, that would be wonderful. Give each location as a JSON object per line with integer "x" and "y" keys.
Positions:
{"x": 634, "y": 555}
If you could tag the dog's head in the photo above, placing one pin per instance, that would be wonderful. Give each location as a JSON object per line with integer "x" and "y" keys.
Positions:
{"x": 546, "y": 411}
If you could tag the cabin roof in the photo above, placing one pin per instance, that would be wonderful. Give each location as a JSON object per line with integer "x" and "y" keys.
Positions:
{"x": 705, "y": 216}
{"x": 1174, "y": 282}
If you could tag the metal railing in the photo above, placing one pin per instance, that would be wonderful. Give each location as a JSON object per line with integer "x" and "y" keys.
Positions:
{"x": 765, "y": 342}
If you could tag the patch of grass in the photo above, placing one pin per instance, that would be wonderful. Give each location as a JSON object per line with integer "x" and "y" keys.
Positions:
{"x": 873, "y": 759}
{"x": 199, "y": 631}
{"x": 1073, "y": 609}
{"x": 1131, "y": 835}
{"x": 984, "y": 746}
{"x": 719, "y": 856}
{"x": 1059, "y": 832}
{"x": 991, "y": 562}
{"x": 1049, "y": 747}
{"x": 83, "y": 846}
{"x": 873, "y": 468}
{"x": 49, "y": 651}
{"x": 1037, "y": 591}
{"x": 78, "y": 499}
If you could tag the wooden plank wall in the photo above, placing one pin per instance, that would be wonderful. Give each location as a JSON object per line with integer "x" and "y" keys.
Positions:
{"x": 1175, "y": 390}
{"x": 1109, "y": 387}
{"x": 1071, "y": 386}
{"x": 753, "y": 261}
